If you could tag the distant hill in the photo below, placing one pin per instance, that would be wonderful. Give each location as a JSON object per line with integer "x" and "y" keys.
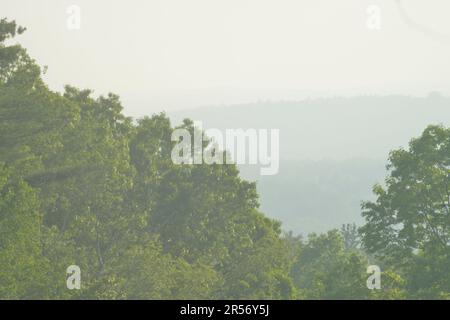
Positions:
{"x": 316, "y": 196}
{"x": 332, "y": 150}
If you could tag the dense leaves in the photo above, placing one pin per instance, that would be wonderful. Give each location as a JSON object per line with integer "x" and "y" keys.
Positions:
{"x": 408, "y": 226}
{"x": 82, "y": 184}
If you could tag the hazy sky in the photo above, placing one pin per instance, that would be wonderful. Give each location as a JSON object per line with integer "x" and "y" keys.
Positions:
{"x": 173, "y": 54}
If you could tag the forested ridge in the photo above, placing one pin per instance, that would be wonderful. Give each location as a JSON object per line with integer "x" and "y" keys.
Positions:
{"x": 331, "y": 148}
{"x": 82, "y": 184}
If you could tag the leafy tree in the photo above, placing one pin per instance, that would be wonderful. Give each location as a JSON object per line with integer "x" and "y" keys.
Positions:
{"x": 106, "y": 196}
{"x": 351, "y": 236}
{"x": 326, "y": 270}
{"x": 408, "y": 226}
{"x": 22, "y": 268}
{"x": 393, "y": 287}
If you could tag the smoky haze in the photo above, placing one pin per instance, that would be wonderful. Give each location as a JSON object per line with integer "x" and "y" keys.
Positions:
{"x": 336, "y": 112}
{"x": 176, "y": 54}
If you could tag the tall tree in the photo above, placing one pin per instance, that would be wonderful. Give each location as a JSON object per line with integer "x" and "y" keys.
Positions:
{"x": 408, "y": 225}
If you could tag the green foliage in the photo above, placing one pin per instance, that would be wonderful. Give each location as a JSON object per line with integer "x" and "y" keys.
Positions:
{"x": 393, "y": 287}
{"x": 350, "y": 235}
{"x": 21, "y": 265}
{"x": 326, "y": 270}
{"x": 408, "y": 225}
{"x": 82, "y": 184}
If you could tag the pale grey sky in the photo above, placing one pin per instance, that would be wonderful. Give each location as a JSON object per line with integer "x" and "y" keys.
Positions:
{"x": 173, "y": 54}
